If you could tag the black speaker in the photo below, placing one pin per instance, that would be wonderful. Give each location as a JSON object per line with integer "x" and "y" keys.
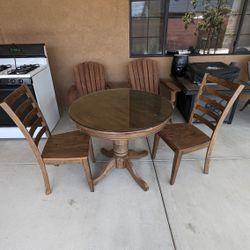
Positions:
{"x": 179, "y": 65}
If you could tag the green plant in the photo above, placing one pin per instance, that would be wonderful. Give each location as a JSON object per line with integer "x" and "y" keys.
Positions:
{"x": 212, "y": 22}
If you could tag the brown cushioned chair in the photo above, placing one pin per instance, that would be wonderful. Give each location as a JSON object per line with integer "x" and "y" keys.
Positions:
{"x": 88, "y": 77}
{"x": 211, "y": 108}
{"x": 70, "y": 147}
{"x": 143, "y": 75}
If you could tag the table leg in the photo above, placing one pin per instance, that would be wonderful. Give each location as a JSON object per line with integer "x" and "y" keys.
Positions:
{"x": 135, "y": 176}
{"x": 121, "y": 159}
{"x": 132, "y": 154}
{"x": 106, "y": 169}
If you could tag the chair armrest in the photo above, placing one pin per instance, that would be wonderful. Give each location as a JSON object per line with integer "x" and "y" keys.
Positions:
{"x": 115, "y": 85}
{"x": 170, "y": 90}
{"x": 73, "y": 94}
{"x": 170, "y": 84}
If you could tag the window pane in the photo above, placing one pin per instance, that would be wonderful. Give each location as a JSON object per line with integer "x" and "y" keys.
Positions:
{"x": 155, "y": 27}
{"x": 139, "y": 27}
{"x": 236, "y": 6}
{"x": 154, "y": 46}
{"x": 139, "y": 46}
{"x": 248, "y": 8}
{"x": 226, "y": 44}
{"x": 245, "y": 27}
{"x": 178, "y": 38}
{"x": 198, "y": 41}
{"x": 139, "y": 9}
{"x": 156, "y": 8}
{"x": 178, "y": 6}
{"x": 243, "y": 45}
{"x": 148, "y": 23}
{"x": 232, "y": 24}
{"x": 219, "y": 44}
{"x": 183, "y": 6}
{"x": 147, "y": 27}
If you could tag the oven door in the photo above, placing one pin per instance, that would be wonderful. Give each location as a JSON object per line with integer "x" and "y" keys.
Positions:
{"x": 5, "y": 90}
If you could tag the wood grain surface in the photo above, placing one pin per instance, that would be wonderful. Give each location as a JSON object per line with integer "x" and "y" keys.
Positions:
{"x": 185, "y": 137}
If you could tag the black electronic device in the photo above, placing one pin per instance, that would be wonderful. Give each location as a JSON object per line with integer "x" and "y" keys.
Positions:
{"x": 196, "y": 71}
{"x": 179, "y": 65}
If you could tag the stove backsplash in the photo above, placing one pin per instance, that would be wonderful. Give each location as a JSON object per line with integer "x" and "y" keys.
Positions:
{"x": 22, "y": 50}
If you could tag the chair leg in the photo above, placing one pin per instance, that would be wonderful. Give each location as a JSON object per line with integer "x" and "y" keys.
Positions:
{"x": 88, "y": 174}
{"x": 175, "y": 167}
{"x": 45, "y": 178}
{"x": 246, "y": 103}
{"x": 91, "y": 150}
{"x": 207, "y": 160}
{"x": 155, "y": 146}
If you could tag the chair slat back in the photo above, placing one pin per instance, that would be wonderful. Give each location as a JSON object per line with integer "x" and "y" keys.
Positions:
{"x": 89, "y": 77}
{"x": 143, "y": 75}
{"x": 23, "y": 109}
{"x": 212, "y": 106}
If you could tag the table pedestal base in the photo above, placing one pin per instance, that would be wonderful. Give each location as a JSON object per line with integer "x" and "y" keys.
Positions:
{"x": 121, "y": 158}
{"x": 132, "y": 154}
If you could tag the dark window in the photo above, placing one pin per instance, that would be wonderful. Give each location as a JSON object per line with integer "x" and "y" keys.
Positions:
{"x": 157, "y": 29}
{"x": 147, "y": 27}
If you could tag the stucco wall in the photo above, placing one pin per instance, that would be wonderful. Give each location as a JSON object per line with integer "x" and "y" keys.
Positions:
{"x": 79, "y": 30}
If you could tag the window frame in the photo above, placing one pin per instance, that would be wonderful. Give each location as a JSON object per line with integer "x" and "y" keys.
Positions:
{"x": 244, "y": 10}
{"x": 165, "y": 17}
{"x": 165, "y": 27}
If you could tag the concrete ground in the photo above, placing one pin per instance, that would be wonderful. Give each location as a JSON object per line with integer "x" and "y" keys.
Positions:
{"x": 199, "y": 212}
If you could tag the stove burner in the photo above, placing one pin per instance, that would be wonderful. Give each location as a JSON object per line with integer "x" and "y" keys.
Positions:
{"x": 4, "y": 67}
{"x": 23, "y": 69}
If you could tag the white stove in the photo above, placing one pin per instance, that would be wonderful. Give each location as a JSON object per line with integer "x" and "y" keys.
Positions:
{"x": 26, "y": 64}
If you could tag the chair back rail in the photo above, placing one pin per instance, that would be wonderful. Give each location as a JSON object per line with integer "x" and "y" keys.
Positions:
{"x": 213, "y": 104}
{"x": 89, "y": 77}
{"x": 143, "y": 75}
{"x": 248, "y": 70}
{"x": 27, "y": 116}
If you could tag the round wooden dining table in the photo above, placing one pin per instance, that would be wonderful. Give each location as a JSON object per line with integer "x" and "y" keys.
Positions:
{"x": 120, "y": 115}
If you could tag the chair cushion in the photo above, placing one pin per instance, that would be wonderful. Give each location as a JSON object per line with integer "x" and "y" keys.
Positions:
{"x": 184, "y": 137}
{"x": 67, "y": 147}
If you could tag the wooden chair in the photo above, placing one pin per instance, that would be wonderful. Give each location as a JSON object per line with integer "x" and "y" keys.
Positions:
{"x": 143, "y": 75}
{"x": 88, "y": 77}
{"x": 248, "y": 82}
{"x": 183, "y": 138}
{"x": 245, "y": 105}
{"x": 71, "y": 147}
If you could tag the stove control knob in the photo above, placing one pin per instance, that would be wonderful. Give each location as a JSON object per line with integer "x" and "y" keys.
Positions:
{"x": 20, "y": 81}
{"x": 13, "y": 81}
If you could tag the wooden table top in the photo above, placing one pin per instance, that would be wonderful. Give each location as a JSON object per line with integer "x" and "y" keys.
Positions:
{"x": 120, "y": 113}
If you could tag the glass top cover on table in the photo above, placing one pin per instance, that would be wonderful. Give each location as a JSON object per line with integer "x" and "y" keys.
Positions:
{"x": 120, "y": 110}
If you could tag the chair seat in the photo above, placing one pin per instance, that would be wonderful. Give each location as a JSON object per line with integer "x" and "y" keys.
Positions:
{"x": 184, "y": 137}
{"x": 67, "y": 147}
